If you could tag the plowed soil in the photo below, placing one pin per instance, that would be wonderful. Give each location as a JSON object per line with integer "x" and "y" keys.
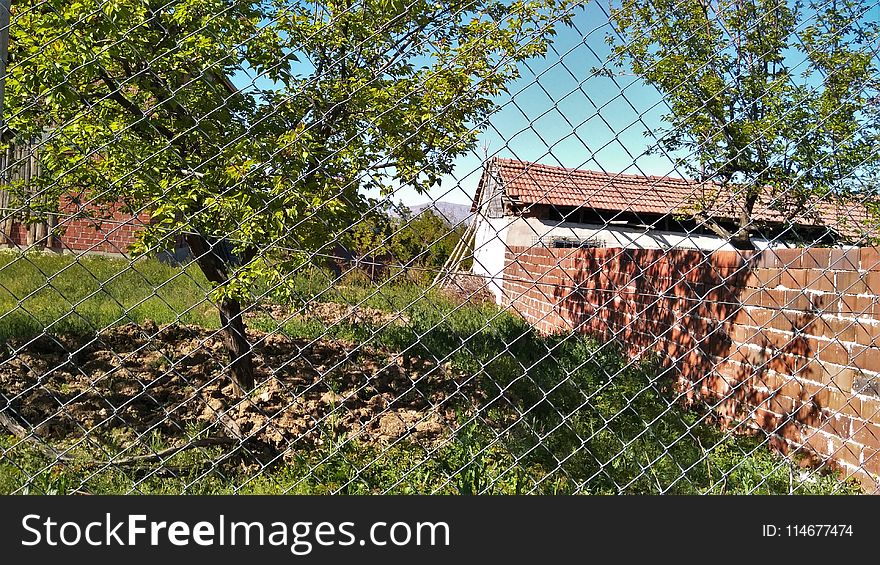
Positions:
{"x": 135, "y": 380}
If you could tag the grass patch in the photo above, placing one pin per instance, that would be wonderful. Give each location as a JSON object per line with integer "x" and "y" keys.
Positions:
{"x": 62, "y": 294}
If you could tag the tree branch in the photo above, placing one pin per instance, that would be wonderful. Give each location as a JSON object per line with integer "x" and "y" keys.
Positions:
{"x": 710, "y": 223}
{"x": 132, "y": 108}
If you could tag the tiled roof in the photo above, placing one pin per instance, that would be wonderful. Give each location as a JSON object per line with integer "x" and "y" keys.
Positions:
{"x": 532, "y": 183}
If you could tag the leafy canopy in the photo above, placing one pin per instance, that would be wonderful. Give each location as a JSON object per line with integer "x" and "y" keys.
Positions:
{"x": 150, "y": 102}
{"x": 418, "y": 244}
{"x": 762, "y": 93}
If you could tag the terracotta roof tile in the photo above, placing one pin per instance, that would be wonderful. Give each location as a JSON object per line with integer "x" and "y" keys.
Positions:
{"x": 533, "y": 183}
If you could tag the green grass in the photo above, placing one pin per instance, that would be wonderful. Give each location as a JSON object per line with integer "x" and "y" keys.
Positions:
{"x": 55, "y": 292}
{"x": 551, "y": 415}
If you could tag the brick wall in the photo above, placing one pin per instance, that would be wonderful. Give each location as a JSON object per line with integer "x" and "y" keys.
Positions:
{"x": 788, "y": 340}
{"x": 110, "y": 230}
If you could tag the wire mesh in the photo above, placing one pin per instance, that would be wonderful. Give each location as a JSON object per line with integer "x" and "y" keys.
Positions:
{"x": 394, "y": 246}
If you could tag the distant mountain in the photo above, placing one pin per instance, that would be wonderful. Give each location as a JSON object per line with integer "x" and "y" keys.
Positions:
{"x": 453, "y": 213}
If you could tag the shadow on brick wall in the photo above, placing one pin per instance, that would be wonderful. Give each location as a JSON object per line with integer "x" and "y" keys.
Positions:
{"x": 706, "y": 316}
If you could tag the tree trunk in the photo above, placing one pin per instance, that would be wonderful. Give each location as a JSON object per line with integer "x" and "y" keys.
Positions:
{"x": 742, "y": 242}
{"x": 241, "y": 366}
{"x": 741, "y": 239}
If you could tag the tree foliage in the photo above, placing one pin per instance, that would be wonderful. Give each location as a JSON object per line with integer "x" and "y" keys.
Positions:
{"x": 148, "y": 103}
{"x": 764, "y": 95}
{"x": 397, "y": 241}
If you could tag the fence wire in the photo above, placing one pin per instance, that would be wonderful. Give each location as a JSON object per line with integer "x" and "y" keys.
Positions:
{"x": 395, "y": 246}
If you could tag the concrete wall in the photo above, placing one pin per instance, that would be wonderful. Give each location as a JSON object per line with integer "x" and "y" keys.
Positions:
{"x": 490, "y": 247}
{"x": 528, "y": 231}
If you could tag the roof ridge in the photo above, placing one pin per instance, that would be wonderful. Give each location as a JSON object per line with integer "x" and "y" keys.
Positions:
{"x": 611, "y": 175}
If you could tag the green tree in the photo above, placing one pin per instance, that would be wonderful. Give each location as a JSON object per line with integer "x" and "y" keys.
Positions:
{"x": 418, "y": 244}
{"x": 134, "y": 103}
{"x": 425, "y": 242}
{"x": 765, "y": 96}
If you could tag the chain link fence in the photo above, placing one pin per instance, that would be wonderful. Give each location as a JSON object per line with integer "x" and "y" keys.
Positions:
{"x": 396, "y": 246}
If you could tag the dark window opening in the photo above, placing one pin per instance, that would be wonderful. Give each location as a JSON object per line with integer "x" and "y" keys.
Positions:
{"x": 690, "y": 226}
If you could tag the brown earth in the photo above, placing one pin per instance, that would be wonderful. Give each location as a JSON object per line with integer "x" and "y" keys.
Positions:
{"x": 468, "y": 288}
{"x": 330, "y": 314}
{"x": 133, "y": 381}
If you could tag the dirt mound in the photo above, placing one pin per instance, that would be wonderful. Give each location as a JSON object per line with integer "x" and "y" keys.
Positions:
{"x": 331, "y": 313}
{"x": 468, "y": 288}
{"x": 134, "y": 381}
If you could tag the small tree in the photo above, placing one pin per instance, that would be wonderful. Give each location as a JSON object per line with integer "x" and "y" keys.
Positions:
{"x": 424, "y": 242}
{"x": 418, "y": 245}
{"x": 765, "y": 96}
{"x": 139, "y": 106}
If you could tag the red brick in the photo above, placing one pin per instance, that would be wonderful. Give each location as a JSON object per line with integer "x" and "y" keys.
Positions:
{"x": 796, "y": 300}
{"x": 838, "y": 425}
{"x": 856, "y": 305}
{"x": 864, "y": 333}
{"x": 827, "y": 302}
{"x": 872, "y": 282}
{"x": 781, "y": 404}
{"x": 843, "y": 403}
{"x": 681, "y": 305}
{"x": 870, "y": 258}
{"x": 791, "y": 278}
{"x": 870, "y": 460}
{"x": 870, "y": 409}
{"x": 841, "y": 330}
{"x": 841, "y": 379}
{"x": 834, "y": 352}
{"x": 849, "y": 452}
{"x": 767, "y": 259}
{"x": 866, "y": 433}
{"x": 816, "y": 258}
{"x": 767, "y": 278}
{"x": 867, "y": 358}
{"x": 820, "y": 280}
{"x": 789, "y": 258}
{"x": 723, "y": 259}
{"x": 773, "y": 298}
{"x": 849, "y": 282}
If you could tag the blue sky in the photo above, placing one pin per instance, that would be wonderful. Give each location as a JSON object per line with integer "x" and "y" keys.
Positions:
{"x": 558, "y": 113}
